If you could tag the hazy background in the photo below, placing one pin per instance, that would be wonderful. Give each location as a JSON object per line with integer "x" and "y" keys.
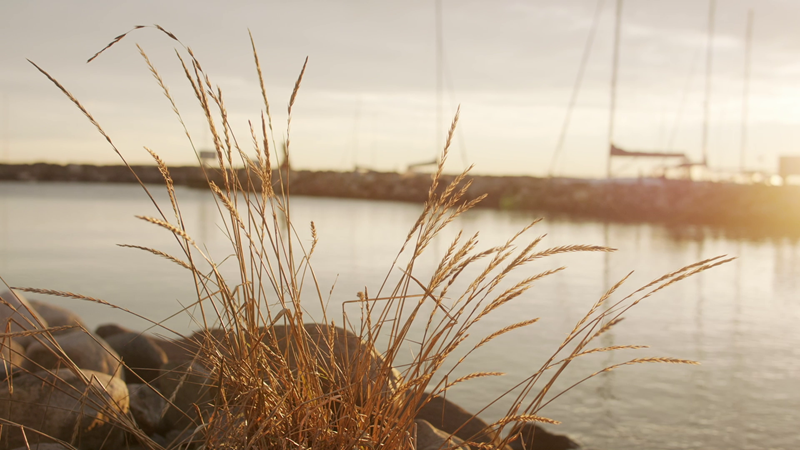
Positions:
{"x": 369, "y": 97}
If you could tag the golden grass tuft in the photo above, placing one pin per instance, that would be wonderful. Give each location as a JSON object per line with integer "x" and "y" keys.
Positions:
{"x": 281, "y": 383}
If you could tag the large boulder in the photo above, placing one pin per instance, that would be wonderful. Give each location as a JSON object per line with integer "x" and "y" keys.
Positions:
{"x": 147, "y": 406}
{"x": 534, "y": 437}
{"x": 87, "y": 351}
{"x": 451, "y": 418}
{"x": 431, "y": 438}
{"x": 56, "y": 316}
{"x": 337, "y": 364}
{"x": 16, "y": 314}
{"x": 142, "y": 356}
{"x": 337, "y": 352}
{"x": 190, "y": 389}
{"x": 348, "y": 351}
{"x": 80, "y": 409}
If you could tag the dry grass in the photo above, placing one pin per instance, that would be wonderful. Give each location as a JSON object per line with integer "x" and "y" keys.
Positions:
{"x": 281, "y": 384}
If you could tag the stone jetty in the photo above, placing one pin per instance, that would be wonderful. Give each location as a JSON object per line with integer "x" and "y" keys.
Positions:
{"x": 752, "y": 208}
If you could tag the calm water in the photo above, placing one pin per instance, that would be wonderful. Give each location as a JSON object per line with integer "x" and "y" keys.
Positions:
{"x": 742, "y": 320}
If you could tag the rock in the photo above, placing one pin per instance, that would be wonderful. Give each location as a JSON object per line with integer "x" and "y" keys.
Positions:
{"x": 48, "y": 446}
{"x": 12, "y": 356}
{"x": 110, "y": 329}
{"x": 16, "y": 311}
{"x": 534, "y": 437}
{"x": 177, "y": 350}
{"x": 451, "y": 418}
{"x": 12, "y": 352}
{"x": 56, "y": 316}
{"x": 143, "y": 358}
{"x": 431, "y": 438}
{"x": 146, "y": 406}
{"x": 179, "y": 439}
{"x": 159, "y": 439}
{"x": 185, "y": 384}
{"x": 154, "y": 441}
{"x": 64, "y": 406}
{"x": 87, "y": 351}
{"x": 348, "y": 351}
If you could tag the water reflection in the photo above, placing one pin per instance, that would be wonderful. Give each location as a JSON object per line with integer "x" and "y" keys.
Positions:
{"x": 739, "y": 320}
{"x": 787, "y": 268}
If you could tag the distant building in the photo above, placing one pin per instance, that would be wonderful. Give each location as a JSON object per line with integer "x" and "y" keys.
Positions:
{"x": 207, "y": 157}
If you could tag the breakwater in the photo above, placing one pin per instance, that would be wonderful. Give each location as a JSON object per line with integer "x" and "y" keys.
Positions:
{"x": 753, "y": 209}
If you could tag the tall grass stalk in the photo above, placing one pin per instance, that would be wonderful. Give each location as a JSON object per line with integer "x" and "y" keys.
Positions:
{"x": 281, "y": 383}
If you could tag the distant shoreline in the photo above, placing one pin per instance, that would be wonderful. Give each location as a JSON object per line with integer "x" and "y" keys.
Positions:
{"x": 741, "y": 209}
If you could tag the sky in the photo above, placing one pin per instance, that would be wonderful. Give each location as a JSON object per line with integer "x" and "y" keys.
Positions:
{"x": 369, "y": 95}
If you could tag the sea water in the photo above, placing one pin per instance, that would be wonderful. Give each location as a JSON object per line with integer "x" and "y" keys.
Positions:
{"x": 740, "y": 320}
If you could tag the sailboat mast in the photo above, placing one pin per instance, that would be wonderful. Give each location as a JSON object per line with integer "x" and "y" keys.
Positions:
{"x": 439, "y": 78}
{"x": 746, "y": 93}
{"x": 615, "y": 64}
{"x": 709, "y": 47}
{"x": 587, "y": 49}
{"x": 6, "y": 118}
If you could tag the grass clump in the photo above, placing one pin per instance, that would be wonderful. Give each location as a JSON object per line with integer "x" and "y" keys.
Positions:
{"x": 277, "y": 382}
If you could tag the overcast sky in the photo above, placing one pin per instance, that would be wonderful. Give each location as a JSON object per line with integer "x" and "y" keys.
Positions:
{"x": 369, "y": 95}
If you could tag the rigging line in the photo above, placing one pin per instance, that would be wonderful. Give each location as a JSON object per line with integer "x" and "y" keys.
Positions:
{"x": 661, "y": 126}
{"x": 682, "y": 105}
{"x": 711, "y": 10}
{"x": 587, "y": 50}
{"x": 617, "y": 26}
{"x": 453, "y": 105}
{"x": 354, "y": 153}
{"x": 746, "y": 94}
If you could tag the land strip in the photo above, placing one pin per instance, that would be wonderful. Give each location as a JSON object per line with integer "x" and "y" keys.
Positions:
{"x": 749, "y": 209}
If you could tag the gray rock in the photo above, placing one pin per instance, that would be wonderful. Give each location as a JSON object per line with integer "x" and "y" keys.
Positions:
{"x": 180, "y": 439}
{"x": 185, "y": 384}
{"x": 534, "y": 437}
{"x": 159, "y": 439}
{"x": 110, "y": 329}
{"x": 20, "y": 315}
{"x": 432, "y": 438}
{"x": 451, "y": 418}
{"x": 56, "y": 316}
{"x": 87, "y": 351}
{"x": 12, "y": 355}
{"x": 178, "y": 349}
{"x": 349, "y": 351}
{"x": 147, "y": 406}
{"x": 346, "y": 352}
{"x": 141, "y": 354}
{"x": 64, "y": 406}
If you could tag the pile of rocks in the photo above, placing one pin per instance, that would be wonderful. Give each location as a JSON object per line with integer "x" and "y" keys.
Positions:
{"x": 77, "y": 387}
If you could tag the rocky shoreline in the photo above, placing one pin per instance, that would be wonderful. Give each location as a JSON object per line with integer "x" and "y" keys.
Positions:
{"x": 740, "y": 209}
{"x": 120, "y": 374}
